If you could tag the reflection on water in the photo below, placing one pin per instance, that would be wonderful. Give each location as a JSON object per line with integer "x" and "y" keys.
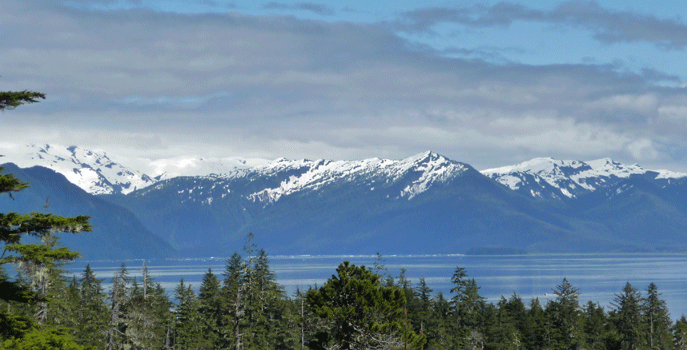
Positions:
{"x": 598, "y": 277}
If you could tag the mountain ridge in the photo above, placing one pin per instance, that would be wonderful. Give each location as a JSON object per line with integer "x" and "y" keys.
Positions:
{"x": 425, "y": 203}
{"x": 98, "y": 173}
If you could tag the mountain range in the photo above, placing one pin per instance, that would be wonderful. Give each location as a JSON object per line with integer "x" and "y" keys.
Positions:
{"x": 422, "y": 204}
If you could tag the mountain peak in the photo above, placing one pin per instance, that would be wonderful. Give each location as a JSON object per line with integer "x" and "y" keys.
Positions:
{"x": 569, "y": 178}
{"x": 93, "y": 171}
{"x": 426, "y": 156}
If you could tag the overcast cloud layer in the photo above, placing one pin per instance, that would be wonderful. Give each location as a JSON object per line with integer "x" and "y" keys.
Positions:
{"x": 145, "y": 83}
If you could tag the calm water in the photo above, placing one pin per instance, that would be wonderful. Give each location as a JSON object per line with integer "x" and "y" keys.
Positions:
{"x": 598, "y": 277}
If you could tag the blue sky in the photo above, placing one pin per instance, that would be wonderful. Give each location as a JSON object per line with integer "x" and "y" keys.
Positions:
{"x": 484, "y": 82}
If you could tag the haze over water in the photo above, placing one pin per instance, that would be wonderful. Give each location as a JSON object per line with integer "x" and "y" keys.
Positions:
{"x": 597, "y": 276}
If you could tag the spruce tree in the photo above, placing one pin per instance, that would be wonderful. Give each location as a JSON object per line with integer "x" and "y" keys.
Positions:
{"x": 538, "y": 323}
{"x": 14, "y": 99}
{"x": 503, "y": 332}
{"x": 360, "y": 312}
{"x": 234, "y": 290}
{"x": 594, "y": 320}
{"x": 564, "y": 314}
{"x": 680, "y": 333}
{"x": 469, "y": 306}
{"x": 148, "y": 318}
{"x": 36, "y": 257}
{"x": 629, "y": 319}
{"x": 517, "y": 313}
{"x": 92, "y": 310}
{"x": 212, "y": 308}
{"x": 306, "y": 322}
{"x": 423, "y": 314}
{"x": 439, "y": 334}
{"x": 116, "y": 337}
{"x": 188, "y": 327}
{"x": 657, "y": 320}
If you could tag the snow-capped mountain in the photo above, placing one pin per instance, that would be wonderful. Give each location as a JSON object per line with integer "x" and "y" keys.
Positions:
{"x": 271, "y": 182}
{"x": 422, "y": 204}
{"x": 314, "y": 204}
{"x": 429, "y": 166}
{"x": 93, "y": 171}
{"x": 551, "y": 178}
{"x": 96, "y": 172}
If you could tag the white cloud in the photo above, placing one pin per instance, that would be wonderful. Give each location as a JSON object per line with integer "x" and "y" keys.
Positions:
{"x": 643, "y": 149}
{"x": 158, "y": 85}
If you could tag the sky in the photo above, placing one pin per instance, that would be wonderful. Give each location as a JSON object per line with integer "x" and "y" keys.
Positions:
{"x": 482, "y": 82}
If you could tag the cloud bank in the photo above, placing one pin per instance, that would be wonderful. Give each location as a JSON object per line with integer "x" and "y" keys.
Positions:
{"x": 608, "y": 26}
{"x": 159, "y": 84}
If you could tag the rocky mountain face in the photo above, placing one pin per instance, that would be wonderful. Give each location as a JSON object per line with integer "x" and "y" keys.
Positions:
{"x": 422, "y": 204}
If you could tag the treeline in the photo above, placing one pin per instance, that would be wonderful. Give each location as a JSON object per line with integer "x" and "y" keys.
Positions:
{"x": 358, "y": 308}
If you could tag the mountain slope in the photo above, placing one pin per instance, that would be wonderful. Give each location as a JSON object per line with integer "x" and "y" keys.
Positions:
{"x": 98, "y": 173}
{"x": 92, "y": 171}
{"x": 422, "y": 204}
{"x": 117, "y": 233}
{"x": 564, "y": 179}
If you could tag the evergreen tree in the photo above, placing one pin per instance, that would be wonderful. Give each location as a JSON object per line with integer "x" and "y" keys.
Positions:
{"x": 438, "y": 331}
{"x": 518, "y": 316}
{"x": 188, "y": 326}
{"x": 594, "y": 327}
{"x": 234, "y": 291}
{"x": 118, "y": 323}
{"x": 680, "y": 333}
{"x": 92, "y": 311}
{"x": 539, "y": 334}
{"x": 564, "y": 315}
{"x": 360, "y": 312}
{"x": 274, "y": 317}
{"x": 468, "y": 308}
{"x": 69, "y": 313}
{"x": 657, "y": 320}
{"x": 628, "y": 318}
{"x": 423, "y": 305}
{"x": 212, "y": 308}
{"x": 40, "y": 339}
{"x": 503, "y": 332}
{"x": 34, "y": 257}
{"x": 458, "y": 325}
{"x": 148, "y": 317}
{"x": 413, "y": 308}
{"x": 14, "y": 99}
{"x": 307, "y": 322}
{"x": 256, "y": 313}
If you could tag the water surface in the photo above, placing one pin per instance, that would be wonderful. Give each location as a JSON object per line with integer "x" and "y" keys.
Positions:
{"x": 597, "y": 276}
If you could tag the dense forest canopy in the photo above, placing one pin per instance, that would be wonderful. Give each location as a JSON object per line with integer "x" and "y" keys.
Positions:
{"x": 244, "y": 307}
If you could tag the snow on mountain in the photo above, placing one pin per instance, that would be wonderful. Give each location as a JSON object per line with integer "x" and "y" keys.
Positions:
{"x": 99, "y": 173}
{"x": 432, "y": 168}
{"x": 569, "y": 177}
{"x": 93, "y": 171}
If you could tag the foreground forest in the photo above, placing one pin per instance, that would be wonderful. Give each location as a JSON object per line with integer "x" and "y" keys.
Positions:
{"x": 357, "y": 308}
